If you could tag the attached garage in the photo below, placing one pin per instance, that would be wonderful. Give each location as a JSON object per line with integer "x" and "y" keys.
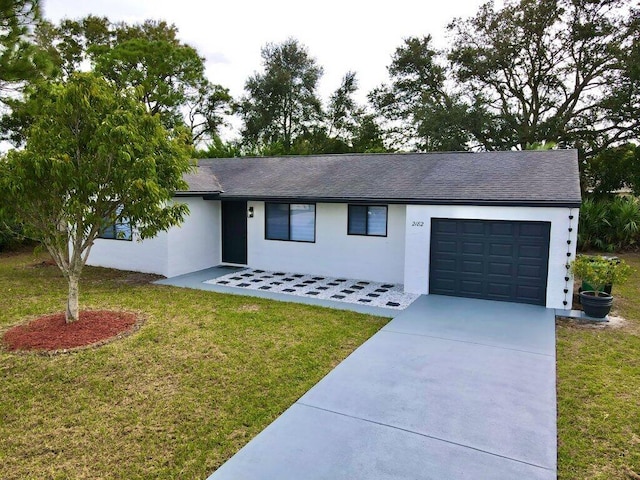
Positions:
{"x": 490, "y": 259}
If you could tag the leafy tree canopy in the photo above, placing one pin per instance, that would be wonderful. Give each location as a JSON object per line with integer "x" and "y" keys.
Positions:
{"x": 20, "y": 61}
{"x": 94, "y": 154}
{"x": 540, "y": 70}
{"x": 530, "y": 73}
{"x": 281, "y": 102}
{"x": 169, "y": 74}
{"x": 283, "y": 114}
{"x": 151, "y": 57}
{"x": 421, "y": 111}
{"x": 613, "y": 169}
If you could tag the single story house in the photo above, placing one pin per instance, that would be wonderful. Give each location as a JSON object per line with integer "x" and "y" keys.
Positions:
{"x": 492, "y": 225}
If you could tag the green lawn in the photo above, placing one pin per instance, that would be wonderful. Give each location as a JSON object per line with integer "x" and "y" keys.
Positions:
{"x": 599, "y": 392}
{"x": 207, "y": 372}
{"x": 204, "y": 374}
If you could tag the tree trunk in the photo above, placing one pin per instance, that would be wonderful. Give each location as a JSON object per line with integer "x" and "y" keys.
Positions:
{"x": 72, "y": 313}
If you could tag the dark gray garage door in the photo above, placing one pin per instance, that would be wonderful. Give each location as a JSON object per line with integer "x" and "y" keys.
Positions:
{"x": 494, "y": 260}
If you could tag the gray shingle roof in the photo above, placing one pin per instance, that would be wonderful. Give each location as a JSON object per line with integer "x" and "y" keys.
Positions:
{"x": 516, "y": 177}
{"x": 203, "y": 180}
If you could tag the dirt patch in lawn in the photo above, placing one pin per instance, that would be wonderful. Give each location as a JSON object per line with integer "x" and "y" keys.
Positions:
{"x": 52, "y": 334}
{"x": 43, "y": 264}
{"x": 248, "y": 308}
{"x": 613, "y": 323}
{"x": 140, "y": 278}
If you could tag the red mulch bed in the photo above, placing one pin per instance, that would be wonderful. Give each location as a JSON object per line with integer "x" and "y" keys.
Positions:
{"x": 51, "y": 333}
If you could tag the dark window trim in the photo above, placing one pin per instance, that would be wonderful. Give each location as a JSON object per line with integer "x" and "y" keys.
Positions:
{"x": 315, "y": 215}
{"x": 367, "y": 234}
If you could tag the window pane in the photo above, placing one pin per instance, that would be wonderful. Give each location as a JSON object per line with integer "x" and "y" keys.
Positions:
{"x": 277, "y": 221}
{"x": 377, "y": 221}
{"x": 108, "y": 232}
{"x": 357, "y": 220}
{"x": 123, "y": 230}
{"x": 303, "y": 222}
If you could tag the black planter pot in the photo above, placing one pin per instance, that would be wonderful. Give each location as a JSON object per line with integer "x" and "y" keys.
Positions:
{"x": 596, "y": 304}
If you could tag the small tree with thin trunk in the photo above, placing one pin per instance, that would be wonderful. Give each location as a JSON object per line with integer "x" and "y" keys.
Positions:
{"x": 94, "y": 157}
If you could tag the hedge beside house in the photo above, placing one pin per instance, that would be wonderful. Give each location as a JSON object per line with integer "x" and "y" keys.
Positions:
{"x": 609, "y": 224}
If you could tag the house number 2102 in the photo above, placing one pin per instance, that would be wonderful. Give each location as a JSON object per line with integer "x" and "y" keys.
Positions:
{"x": 417, "y": 224}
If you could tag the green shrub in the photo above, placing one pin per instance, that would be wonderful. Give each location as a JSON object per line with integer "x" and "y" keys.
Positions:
{"x": 599, "y": 271}
{"x": 10, "y": 232}
{"x": 609, "y": 224}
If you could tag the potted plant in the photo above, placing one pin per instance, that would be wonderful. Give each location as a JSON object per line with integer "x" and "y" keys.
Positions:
{"x": 598, "y": 272}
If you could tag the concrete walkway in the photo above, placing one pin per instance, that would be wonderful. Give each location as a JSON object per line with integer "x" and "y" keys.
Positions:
{"x": 451, "y": 388}
{"x": 198, "y": 280}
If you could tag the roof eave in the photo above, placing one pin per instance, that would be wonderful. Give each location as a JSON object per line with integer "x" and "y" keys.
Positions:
{"x": 197, "y": 193}
{"x": 568, "y": 203}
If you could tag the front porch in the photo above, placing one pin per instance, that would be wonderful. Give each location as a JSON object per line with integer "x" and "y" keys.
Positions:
{"x": 338, "y": 293}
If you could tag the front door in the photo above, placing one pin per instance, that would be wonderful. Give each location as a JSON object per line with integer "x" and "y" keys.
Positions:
{"x": 234, "y": 232}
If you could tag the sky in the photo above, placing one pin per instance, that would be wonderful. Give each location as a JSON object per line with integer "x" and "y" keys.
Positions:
{"x": 342, "y": 35}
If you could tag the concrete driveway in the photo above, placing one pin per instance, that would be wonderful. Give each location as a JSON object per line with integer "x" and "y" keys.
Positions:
{"x": 451, "y": 388}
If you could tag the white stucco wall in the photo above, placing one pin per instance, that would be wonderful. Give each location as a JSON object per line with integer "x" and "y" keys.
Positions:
{"x": 418, "y": 235}
{"x": 334, "y": 253}
{"x": 149, "y": 256}
{"x": 194, "y": 245}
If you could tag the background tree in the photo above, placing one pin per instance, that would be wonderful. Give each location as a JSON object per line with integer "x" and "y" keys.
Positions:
{"x": 343, "y": 112}
{"x": 621, "y": 105}
{"x": 207, "y": 110}
{"x": 149, "y": 56}
{"x": 71, "y": 44}
{"x": 345, "y": 126}
{"x": 281, "y": 102}
{"x": 368, "y": 136}
{"x": 539, "y": 70}
{"x": 421, "y": 113}
{"x": 20, "y": 60}
{"x": 613, "y": 169}
{"x": 349, "y": 124}
{"x": 217, "y": 148}
{"x": 94, "y": 156}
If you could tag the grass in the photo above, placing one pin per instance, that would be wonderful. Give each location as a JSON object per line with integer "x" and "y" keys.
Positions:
{"x": 599, "y": 392}
{"x": 207, "y": 372}
{"x": 204, "y": 374}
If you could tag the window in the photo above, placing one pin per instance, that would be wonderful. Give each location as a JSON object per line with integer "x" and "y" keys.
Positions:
{"x": 367, "y": 220}
{"x": 290, "y": 221}
{"x": 120, "y": 230}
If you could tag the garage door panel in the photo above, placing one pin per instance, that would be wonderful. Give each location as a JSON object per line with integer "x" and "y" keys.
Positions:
{"x": 535, "y": 230}
{"x": 444, "y": 246}
{"x": 473, "y": 248}
{"x": 499, "y": 289}
{"x": 471, "y": 287}
{"x": 498, "y": 260}
{"x": 445, "y": 227}
{"x": 525, "y": 291}
{"x": 502, "y": 228}
{"x": 445, "y": 285}
{"x": 499, "y": 280}
{"x": 530, "y": 271}
{"x": 496, "y": 268}
{"x": 446, "y": 264}
{"x": 473, "y": 228}
{"x": 530, "y": 251}
{"x": 470, "y": 267}
{"x": 502, "y": 249}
